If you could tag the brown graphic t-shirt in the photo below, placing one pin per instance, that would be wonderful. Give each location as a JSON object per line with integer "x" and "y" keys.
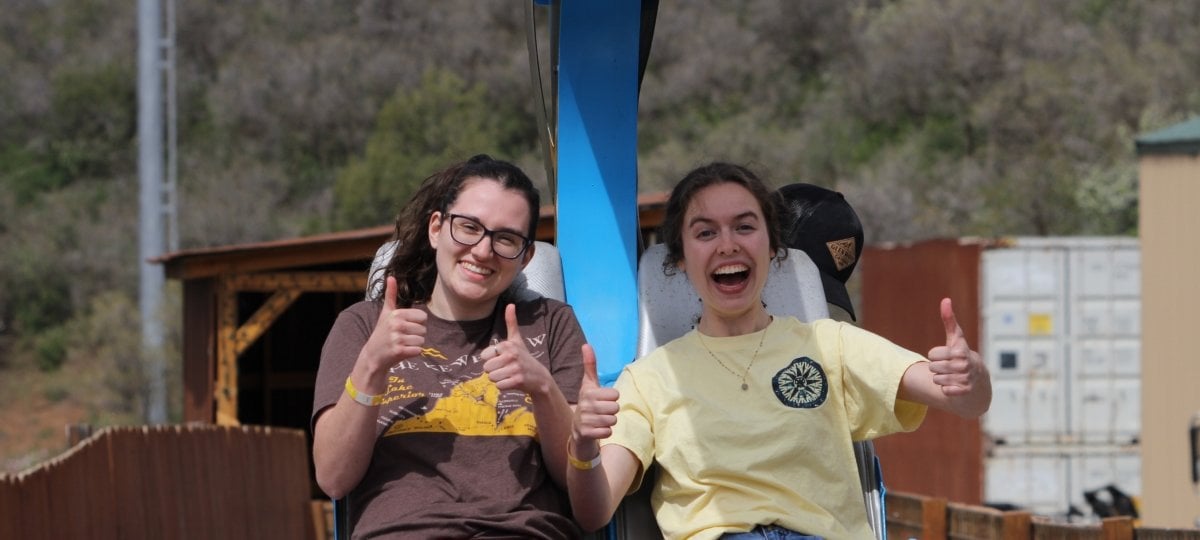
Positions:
{"x": 456, "y": 457}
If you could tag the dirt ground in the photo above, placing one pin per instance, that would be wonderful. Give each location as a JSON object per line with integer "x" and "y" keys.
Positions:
{"x": 35, "y": 409}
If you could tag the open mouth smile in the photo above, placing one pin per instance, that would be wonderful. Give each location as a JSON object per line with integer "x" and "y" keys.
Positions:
{"x": 731, "y": 275}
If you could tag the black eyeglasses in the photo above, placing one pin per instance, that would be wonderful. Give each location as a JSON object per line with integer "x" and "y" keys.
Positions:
{"x": 469, "y": 231}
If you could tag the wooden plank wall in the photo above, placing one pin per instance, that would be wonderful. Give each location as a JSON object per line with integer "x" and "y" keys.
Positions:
{"x": 169, "y": 482}
{"x": 929, "y": 518}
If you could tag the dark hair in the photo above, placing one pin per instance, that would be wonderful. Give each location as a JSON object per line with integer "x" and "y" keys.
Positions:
{"x": 414, "y": 262}
{"x": 709, "y": 175}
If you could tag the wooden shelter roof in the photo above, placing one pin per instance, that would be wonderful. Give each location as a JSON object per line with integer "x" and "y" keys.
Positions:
{"x": 331, "y": 248}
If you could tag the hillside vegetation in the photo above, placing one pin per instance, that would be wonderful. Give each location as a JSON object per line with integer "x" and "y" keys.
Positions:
{"x": 934, "y": 117}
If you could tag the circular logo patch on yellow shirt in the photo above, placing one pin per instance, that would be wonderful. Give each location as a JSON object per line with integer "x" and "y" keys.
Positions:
{"x": 802, "y": 384}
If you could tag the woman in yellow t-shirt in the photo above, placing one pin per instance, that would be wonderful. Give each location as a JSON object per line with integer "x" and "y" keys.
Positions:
{"x": 751, "y": 417}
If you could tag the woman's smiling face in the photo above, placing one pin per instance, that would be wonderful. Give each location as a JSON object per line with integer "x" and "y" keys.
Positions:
{"x": 470, "y": 278}
{"x": 726, "y": 250}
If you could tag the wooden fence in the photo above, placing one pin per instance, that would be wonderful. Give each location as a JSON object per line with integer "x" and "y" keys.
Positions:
{"x": 929, "y": 518}
{"x": 204, "y": 481}
{"x": 196, "y": 481}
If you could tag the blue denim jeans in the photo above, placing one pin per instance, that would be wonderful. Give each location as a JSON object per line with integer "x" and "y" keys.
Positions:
{"x": 769, "y": 532}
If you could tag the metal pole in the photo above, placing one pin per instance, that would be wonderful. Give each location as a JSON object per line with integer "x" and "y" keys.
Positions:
{"x": 170, "y": 190}
{"x": 150, "y": 182}
{"x": 545, "y": 132}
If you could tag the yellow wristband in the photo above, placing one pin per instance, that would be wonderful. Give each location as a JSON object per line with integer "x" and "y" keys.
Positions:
{"x": 579, "y": 463}
{"x": 368, "y": 400}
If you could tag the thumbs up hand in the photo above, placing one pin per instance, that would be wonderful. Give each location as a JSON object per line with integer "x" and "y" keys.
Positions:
{"x": 399, "y": 334}
{"x": 596, "y": 411}
{"x": 509, "y": 364}
{"x": 957, "y": 369}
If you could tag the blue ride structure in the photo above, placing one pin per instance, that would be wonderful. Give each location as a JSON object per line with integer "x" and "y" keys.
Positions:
{"x": 597, "y": 215}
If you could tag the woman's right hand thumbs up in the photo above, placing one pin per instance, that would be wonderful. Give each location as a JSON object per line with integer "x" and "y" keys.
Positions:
{"x": 596, "y": 410}
{"x": 399, "y": 335}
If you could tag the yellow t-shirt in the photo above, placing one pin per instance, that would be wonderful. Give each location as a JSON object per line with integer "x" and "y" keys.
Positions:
{"x": 779, "y": 452}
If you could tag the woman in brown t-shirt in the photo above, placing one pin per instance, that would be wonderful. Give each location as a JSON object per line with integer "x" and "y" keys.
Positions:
{"x": 442, "y": 410}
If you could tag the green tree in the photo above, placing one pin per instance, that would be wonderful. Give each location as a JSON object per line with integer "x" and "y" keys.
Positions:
{"x": 93, "y": 121}
{"x": 419, "y": 132}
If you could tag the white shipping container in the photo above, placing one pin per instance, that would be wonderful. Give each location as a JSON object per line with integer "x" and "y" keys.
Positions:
{"x": 1061, "y": 324}
{"x": 1114, "y": 316}
{"x": 1024, "y": 358}
{"x": 1106, "y": 390}
{"x": 1036, "y": 481}
{"x": 1106, "y": 341}
{"x": 1035, "y": 413}
{"x": 1108, "y": 410}
{"x": 1108, "y": 357}
{"x": 1062, "y": 316}
{"x": 1024, "y": 318}
{"x": 1107, "y": 267}
{"x": 1023, "y": 273}
{"x": 1051, "y": 480}
{"x": 1097, "y": 468}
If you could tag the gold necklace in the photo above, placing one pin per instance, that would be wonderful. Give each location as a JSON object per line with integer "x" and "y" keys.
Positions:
{"x": 752, "y": 358}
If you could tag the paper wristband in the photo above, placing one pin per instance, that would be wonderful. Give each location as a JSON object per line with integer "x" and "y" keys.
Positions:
{"x": 583, "y": 465}
{"x": 370, "y": 401}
